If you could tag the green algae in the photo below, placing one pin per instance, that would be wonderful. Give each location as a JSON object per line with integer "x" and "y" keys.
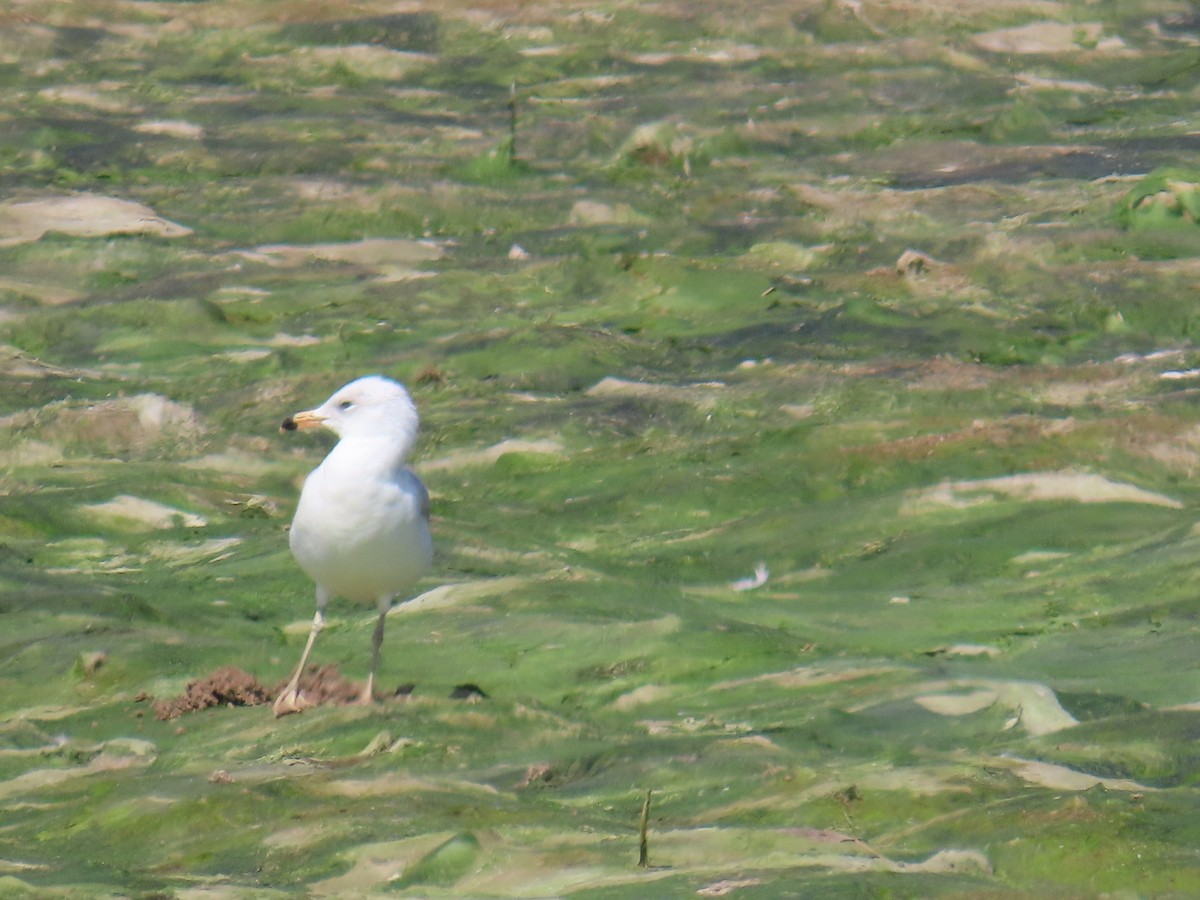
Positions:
{"x": 723, "y": 367}
{"x": 1165, "y": 198}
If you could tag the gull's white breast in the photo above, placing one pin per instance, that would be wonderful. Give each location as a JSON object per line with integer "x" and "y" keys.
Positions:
{"x": 361, "y": 528}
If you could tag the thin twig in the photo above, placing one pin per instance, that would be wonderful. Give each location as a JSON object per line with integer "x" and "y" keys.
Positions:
{"x": 855, "y": 839}
{"x": 643, "y": 844}
{"x": 512, "y": 122}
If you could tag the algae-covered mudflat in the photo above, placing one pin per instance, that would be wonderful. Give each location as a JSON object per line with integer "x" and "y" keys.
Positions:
{"x": 809, "y": 410}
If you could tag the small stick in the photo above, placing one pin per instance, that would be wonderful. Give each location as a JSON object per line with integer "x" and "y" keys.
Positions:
{"x": 643, "y": 845}
{"x": 512, "y": 121}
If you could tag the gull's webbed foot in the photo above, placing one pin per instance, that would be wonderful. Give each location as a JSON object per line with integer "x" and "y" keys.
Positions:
{"x": 290, "y": 700}
{"x": 367, "y": 697}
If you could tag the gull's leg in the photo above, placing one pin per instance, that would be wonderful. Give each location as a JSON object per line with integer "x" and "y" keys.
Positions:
{"x": 385, "y": 604}
{"x": 290, "y": 700}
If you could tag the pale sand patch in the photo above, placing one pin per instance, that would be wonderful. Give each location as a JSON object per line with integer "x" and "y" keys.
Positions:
{"x": 327, "y": 189}
{"x": 31, "y": 453}
{"x": 391, "y": 256}
{"x": 808, "y": 676}
{"x": 235, "y": 462}
{"x": 647, "y": 693}
{"x": 967, "y": 650}
{"x": 242, "y": 356}
{"x": 365, "y": 60}
{"x": 1040, "y": 83}
{"x": 703, "y": 395}
{"x": 1082, "y": 487}
{"x": 213, "y": 550}
{"x": 9, "y": 866}
{"x": 58, "y": 713}
{"x": 956, "y": 704}
{"x": 721, "y": 54}
{"x": 1037, "y": 708}
{"x": 293, "y": 340}
{"x": 528, "y": 863}
{"x": 82, "y": 215}
{"x": 46, "y": 294}
{"x": 376, "y": 864}
{"x": 252, "y": 354}
{"x": 799, "y": 410}
{"x": 137, "y": 512}
{"x": 1081, "y": 393}
{"x": 726, "y": 886}
{"x": 106, "y": 96}
{"x": 924, "y": 782}
{"x": 124, "y": 422}
{"x": 486, "y": 456}
{"x": 171, "y": 128}
{"x": 401, "y": 274}
{"x": 757, "y": 741}
{"x": 295, "y": 838}
{"x": 1061, "y": 778}
{"x": 230, "y": 293}
{"x": 1181, "y": 452}
{"x": 113, "y": 755}
{"x": 786, "y": 255}
{"x": 87, "y": 555}
{"x": 1050, "y": 37}
{"x": 156, "y": 413}
{"x": 446, "y": 595}
{"x": 1035, "y": 557}
{"x": 803, "y": 576}
{"x": 708, "y": 849}
{"x": 391, "y": 784}
{"x": 690, "y": 536}
{"x": 542, "y": 51}
{"x": 593, "y": 212}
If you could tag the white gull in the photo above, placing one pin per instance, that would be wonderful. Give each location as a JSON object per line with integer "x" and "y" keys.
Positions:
{"x": 361, "y": 529}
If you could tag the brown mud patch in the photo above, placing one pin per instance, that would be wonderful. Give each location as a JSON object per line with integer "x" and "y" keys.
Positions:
{"x": 325, "y": 686}
{"x": 231, "y": 686}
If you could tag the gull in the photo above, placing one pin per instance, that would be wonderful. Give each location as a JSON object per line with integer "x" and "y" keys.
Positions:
{"x": 361, "y": 529}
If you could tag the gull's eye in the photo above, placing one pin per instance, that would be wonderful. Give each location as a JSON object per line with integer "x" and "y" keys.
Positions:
{"x": 345, "y": 404}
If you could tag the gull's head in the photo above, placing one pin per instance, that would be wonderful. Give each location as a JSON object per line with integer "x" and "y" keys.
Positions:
{"x": 373, "y": 406}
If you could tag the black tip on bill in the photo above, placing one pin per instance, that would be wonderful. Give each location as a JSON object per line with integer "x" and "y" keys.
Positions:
{"x": 289, "y": 424}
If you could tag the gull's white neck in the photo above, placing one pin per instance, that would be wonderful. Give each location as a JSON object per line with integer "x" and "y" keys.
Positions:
{"x": 371, "y": 454}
